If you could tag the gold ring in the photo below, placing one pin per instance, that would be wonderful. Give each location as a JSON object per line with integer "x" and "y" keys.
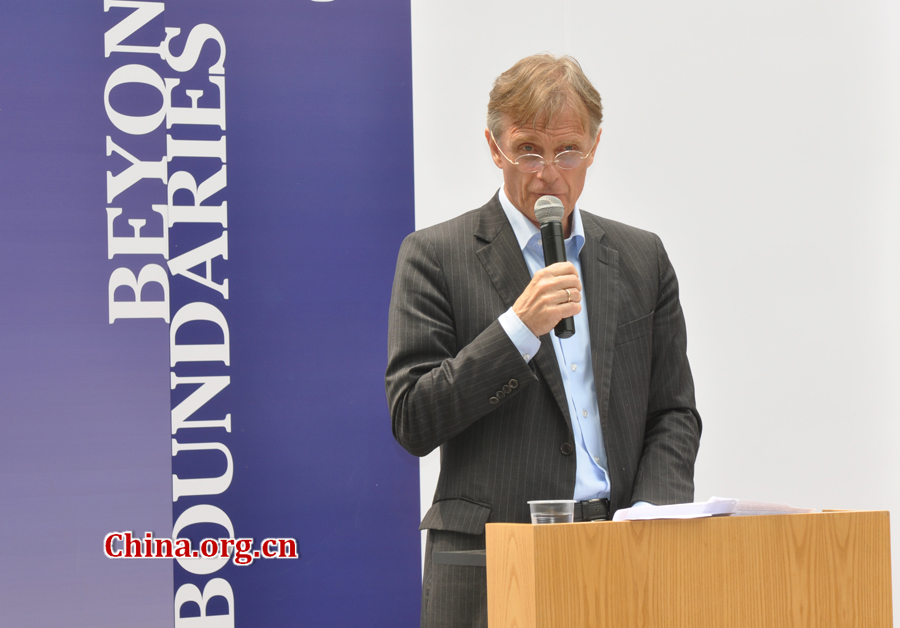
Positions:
{"x": 568, "y": 295}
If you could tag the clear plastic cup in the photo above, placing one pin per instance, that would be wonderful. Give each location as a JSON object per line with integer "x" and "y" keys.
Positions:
{"x": 552, "y": 511}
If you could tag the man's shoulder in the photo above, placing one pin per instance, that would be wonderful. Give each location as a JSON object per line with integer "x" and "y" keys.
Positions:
{"x": 464, "y": 222}
{"x": 619, "y": 233}
{"x": 456, "y": 231}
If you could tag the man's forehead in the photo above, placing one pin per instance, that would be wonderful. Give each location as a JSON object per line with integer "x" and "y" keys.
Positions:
{"x": 539, "y": 132}
{"x": 566, "y": 121}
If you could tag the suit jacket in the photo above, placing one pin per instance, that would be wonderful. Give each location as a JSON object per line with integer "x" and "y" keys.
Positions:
{"x": 456, "y": 381}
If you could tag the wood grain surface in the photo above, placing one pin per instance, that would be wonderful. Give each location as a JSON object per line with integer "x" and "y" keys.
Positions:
{"x": 825, "y": 570}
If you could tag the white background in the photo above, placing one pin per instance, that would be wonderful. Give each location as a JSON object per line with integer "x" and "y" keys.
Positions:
{"x": 761, "y": 142}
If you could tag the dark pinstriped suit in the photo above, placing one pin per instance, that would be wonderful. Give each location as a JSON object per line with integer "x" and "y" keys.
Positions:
{"x": 448, "y": 355}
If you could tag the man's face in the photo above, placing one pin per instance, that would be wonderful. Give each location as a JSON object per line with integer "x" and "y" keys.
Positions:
{"x": 564, "y": 131}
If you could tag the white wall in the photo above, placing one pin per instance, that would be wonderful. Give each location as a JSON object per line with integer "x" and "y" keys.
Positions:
{"x": 760, "y": 141}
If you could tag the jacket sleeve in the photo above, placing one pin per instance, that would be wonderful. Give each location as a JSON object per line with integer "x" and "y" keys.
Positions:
{"x": 435, "y": 387}
{"x": 672, "y": 435}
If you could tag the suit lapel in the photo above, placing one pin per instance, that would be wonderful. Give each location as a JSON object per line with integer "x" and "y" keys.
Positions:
{"x": 600, "y": 271}
{"x": 502, "y": 259}
{"x": 501, "y": 255}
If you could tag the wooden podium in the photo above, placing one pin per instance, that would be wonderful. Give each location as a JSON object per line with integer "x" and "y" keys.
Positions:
{"x": 823, "y": 570}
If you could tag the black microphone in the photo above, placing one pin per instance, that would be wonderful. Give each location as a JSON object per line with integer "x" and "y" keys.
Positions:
{"x": 549, "y": 211}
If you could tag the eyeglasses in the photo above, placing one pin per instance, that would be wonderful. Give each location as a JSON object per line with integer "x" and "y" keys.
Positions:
{"x": 567, "y": 160}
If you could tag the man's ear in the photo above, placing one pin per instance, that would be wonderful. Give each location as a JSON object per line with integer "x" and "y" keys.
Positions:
{"x": 590, "y": 158}
{"x": 495, "y": 153}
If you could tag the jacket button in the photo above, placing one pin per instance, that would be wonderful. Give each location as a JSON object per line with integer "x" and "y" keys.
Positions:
{"x": 565, "y": 449}
{"x": 513, "y": 383}
{"x": 507, "y": 389}
{"x": 500, "y": 394}
{"x": 494, "y": 400}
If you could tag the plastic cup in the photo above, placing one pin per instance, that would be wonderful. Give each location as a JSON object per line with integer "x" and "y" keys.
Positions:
{"x": 552, "y": 511}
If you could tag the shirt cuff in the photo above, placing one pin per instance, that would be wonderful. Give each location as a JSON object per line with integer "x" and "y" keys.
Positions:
{"x": 526, "y": 342}
{"x": 638, "y": 504}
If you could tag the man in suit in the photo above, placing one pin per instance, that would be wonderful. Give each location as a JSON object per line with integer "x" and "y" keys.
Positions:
{"x": 606, "y": 417}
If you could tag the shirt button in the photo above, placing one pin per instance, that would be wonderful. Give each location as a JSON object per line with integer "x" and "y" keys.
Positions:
{"x": 574, "y": 366}
{"x": 527, "y": 357}
{"x": 597, "y": 459}
{"x": 584, "y": 413}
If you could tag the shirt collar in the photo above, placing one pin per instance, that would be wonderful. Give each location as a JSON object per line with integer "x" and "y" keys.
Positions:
{"x": 527, "y": 233}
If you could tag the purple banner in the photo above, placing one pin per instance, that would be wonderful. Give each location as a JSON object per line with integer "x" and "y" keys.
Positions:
{"x": 202, "y": 205}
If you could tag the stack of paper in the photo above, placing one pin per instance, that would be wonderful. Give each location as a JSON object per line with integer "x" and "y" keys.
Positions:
{"x": 715, "y": 506}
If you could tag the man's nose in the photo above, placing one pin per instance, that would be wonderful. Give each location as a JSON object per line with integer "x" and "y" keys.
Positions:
{"x": 549, "y": 173}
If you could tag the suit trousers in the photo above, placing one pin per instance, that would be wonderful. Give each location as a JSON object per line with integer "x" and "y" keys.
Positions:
{"x": 463, "y": 595}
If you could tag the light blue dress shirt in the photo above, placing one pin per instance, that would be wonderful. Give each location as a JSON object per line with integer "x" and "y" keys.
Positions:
{"x": 572, "y": 354}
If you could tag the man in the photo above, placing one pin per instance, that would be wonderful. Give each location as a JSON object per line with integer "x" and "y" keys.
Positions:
{"x": 606, "y": 417}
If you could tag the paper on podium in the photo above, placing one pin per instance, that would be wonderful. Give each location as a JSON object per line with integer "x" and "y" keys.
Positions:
{"x": 715, "y": 506}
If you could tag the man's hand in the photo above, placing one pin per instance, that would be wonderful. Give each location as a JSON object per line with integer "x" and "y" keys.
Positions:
{"x": 553, "y": 294}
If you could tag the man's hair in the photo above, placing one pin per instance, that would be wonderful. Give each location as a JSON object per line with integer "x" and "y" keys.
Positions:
{"x": 539, "y": 87}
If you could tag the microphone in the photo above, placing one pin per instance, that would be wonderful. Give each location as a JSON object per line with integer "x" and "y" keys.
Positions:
{"x": 549, "y": 211}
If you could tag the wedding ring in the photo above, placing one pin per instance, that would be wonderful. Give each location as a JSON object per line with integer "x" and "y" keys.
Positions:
{"x": 568, "y": 295}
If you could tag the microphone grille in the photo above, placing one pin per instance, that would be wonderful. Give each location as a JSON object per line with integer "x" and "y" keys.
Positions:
{"x": 549, "y": 209}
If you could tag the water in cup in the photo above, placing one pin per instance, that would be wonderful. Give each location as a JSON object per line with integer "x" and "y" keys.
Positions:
{"x": 564, "y": 518}
{"x": 552, "y": 511}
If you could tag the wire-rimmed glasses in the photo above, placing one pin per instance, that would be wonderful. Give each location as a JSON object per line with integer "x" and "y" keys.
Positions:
{"x": 530, "y": 163}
